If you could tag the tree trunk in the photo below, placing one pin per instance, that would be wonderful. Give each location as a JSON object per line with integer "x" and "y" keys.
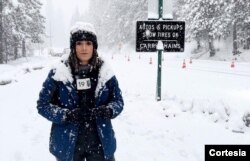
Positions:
{"x": 211, "y": 46}
{"x": 15, "y": 48}
{"x": 247, "y": 32}
{"x": 23, "y": 48}
{"x": 247, "y": 43}
{"x": 1, "y": 32}
{"x": 15, "y": 52}
{"x": 198, "y": 44}
{"x": 235, "y": 44}
{"x": 5, "y": 49}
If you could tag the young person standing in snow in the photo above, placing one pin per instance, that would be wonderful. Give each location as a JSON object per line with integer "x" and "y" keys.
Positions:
{"x": 80, "y": 97}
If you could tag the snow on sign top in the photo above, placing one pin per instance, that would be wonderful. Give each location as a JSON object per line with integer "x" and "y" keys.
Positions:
{"x": 160, "y": 45}
{"x": 82, "y": 26}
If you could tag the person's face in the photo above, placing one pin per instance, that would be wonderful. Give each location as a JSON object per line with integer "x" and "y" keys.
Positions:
{"x": 84, "y": 51}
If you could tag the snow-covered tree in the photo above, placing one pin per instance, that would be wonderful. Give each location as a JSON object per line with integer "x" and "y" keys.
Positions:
{"x": 21, "y": 21}
{"x": 7, "y": 30}
{"x": 208, "y": 20}
{"x": 240, "y": 17}
{"x": 32, "y": 22}
{"x": 205, "y": 20}
{"x": 115, "y": 20}
{"x": 6, "y": 26}
{"x": 1, "y": 32}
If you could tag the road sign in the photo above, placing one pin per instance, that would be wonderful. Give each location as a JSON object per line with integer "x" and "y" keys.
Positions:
{"x": 171, "y": 33}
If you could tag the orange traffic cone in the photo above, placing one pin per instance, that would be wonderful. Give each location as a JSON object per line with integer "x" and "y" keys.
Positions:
{"x": 150, "y": 60}
{"x": 190, "y": 61}
{"x": 184, "y": 64}
{"x": 232, "y": 64}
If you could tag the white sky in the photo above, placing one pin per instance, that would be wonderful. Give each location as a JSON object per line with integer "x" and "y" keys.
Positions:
{"x": 67, "y": 7}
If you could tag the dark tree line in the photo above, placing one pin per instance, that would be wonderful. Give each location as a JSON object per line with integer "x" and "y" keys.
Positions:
{"x": 21, "y": 24}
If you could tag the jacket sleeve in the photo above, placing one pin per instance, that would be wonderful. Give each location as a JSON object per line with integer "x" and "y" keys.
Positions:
{"x": 116, "y": 102}
{"x": 44, "y": 104}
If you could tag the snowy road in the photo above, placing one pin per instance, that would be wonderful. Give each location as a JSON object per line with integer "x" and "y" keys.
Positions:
{"x": 200, "y": 105}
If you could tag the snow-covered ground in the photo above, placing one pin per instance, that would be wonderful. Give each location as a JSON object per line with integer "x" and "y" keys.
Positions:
{"x": 201, "y": 104}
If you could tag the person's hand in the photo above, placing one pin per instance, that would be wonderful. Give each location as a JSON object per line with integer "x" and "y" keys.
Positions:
{"x": 102, "y": 112}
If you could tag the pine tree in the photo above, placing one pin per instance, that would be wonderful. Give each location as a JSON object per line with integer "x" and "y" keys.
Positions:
{"x": 19, "y": 23}
{"x": 240, "y": 11}
{"x": 116, "y": 20}
{"x": 1, "y": 32}
{"x": 7, "y": 33}
{"x": 32, "y": 25}
{"x": 209, "y": 20}
{"x": 206, "y": 20}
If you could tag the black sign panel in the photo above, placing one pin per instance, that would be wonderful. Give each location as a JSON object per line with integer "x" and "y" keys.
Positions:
{"x": 171, "y": 33}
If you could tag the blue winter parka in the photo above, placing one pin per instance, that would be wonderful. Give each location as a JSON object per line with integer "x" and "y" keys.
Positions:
{"x": 59, "y": 86}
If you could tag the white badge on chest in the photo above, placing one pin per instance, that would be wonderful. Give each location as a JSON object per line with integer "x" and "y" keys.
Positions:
{"x": 83, "y": 84}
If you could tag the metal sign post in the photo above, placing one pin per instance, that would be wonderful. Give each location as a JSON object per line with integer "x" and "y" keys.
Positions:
{"x": 160, "y": 8}
{"x": 158, "y": 35}
{"x": 158, "y": 86}
{"x": 158, "y": 91}
{"x": 159, "y": 49}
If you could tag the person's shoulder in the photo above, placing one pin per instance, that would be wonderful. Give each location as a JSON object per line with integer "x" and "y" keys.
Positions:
{"x": 61, "y": 71}
{"x": 106, "y": 71}
{"x": 105, "y": 64}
